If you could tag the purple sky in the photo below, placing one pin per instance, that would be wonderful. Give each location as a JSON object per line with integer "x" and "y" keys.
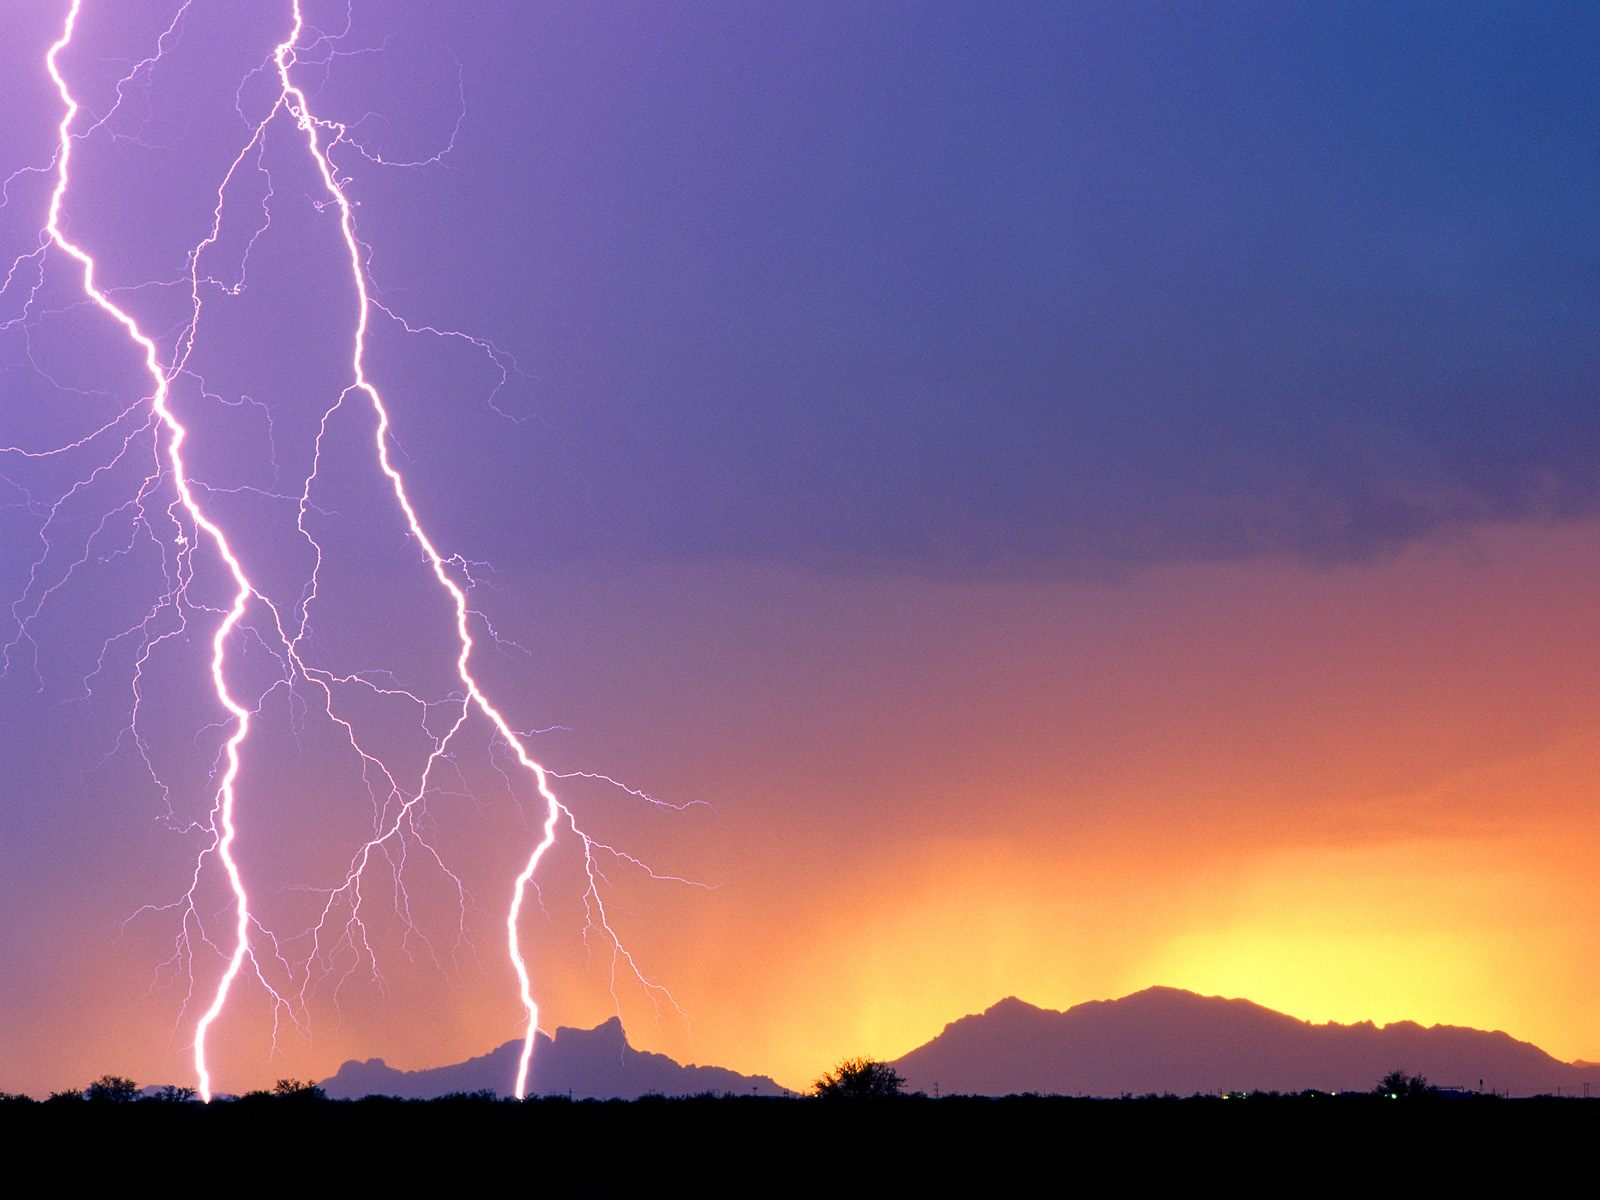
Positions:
{"x": 859, "y": 360}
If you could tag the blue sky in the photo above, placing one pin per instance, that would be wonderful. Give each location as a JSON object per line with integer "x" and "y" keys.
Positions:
{"x": 1034, "y": 288}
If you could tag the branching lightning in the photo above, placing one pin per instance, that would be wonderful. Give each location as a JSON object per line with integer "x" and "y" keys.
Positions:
{"x": 173, "y": 510}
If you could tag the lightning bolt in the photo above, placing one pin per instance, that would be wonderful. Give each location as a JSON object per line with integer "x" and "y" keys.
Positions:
{"x": 176, "y": 433}
{"x": 251, "y": 949}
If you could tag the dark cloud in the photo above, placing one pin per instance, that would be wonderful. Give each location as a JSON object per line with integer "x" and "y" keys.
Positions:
{"x": 958, "y": 288}
{"x": 1038, "y": 288}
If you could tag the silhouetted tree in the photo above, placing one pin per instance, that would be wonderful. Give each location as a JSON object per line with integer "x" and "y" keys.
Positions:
{"x": 115, "y": 1089}
{"x": 478, "y": 1096}
{"x": 1397, "y": 1085}
{"x": 173, "y": 1095}
{"x": 859, "y": 1079}
{"x": 296, "y": 1089}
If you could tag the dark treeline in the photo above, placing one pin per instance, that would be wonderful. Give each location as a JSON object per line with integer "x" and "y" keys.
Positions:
{"x": 744, "y": 1145}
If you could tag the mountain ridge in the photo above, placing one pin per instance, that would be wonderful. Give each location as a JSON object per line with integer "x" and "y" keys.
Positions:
{"x": 1161, "y": 1040}
{"x": 1168, "y": 1040}
{"x": 585, "y": 1064}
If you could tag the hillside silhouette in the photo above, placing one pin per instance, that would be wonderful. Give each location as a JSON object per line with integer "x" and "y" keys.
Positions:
{"x": 1168, "y": 1041}
{"x": 587, "y": 1064}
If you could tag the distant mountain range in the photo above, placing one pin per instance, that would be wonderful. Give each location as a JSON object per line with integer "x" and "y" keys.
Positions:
{"x": 587, "y": 1064}
{"x": 1164, "y": 1040}
{"x": 1161, "y": 1040}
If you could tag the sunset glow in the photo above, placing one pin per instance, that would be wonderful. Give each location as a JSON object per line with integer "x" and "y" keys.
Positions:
{"x": 788, "y": 529}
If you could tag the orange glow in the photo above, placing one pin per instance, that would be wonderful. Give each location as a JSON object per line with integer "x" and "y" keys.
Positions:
{"x": 1357, "y": 793}
{"x": 1435, "y": 932}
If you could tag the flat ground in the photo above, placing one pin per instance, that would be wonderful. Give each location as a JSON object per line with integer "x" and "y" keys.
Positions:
{"x": 745, "y": 1146}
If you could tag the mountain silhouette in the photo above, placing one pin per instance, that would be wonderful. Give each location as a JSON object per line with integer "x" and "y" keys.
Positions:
{"x": 586, "y": 1064}
{"x": 1164, "y": 1040}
